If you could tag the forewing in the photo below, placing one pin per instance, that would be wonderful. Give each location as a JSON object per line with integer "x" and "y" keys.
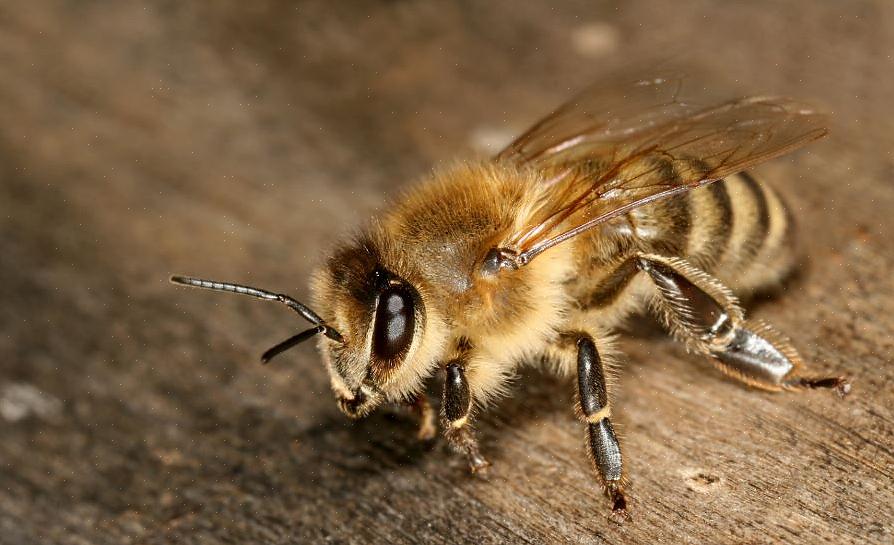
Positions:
{"x": 667, "y": 148}
{"x": 604, "y": 112}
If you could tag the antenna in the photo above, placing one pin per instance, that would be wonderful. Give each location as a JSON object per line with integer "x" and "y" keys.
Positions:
{"x": 300, "y": 308}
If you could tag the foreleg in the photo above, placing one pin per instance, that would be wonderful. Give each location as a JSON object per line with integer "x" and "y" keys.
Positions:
{"x": 457, "y": 406}
{"x": 428, "y": 426}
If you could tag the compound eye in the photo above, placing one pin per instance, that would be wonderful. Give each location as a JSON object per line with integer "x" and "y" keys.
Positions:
{"x": 395, "y": 321}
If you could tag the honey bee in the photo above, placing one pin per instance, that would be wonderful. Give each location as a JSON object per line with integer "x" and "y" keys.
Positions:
{"x": 620, "y": 201}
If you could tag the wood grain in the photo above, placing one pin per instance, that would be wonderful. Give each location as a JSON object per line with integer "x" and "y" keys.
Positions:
{"x": 237, "y": 140}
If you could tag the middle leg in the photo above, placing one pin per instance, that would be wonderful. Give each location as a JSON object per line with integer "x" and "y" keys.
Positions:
{"x": 595, "y": 410}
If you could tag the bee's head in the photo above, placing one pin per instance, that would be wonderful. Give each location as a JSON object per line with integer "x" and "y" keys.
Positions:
{"x": 389, "y": 339}
{"x": 377, "y": 337}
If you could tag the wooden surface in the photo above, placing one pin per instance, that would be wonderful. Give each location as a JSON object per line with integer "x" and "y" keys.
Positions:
{"x": 212, "y": 138}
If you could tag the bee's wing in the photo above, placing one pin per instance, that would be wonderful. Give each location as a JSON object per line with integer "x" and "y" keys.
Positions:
{"x": 603, "y": 112}
{"x": 605, "y": 152}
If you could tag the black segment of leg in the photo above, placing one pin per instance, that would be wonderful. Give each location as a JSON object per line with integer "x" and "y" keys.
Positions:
{"x": 825, "y": 382}
{"x": 605, "y": 449}
{"x": 457, "y": 404}
{"x": 456, "y": 393}
{"x": 602, "y": 442}
{"x": 613, "y": 285}
{"x": 702, "y": 310}
{"x": 590, "y": 378}
{"x": 754, "y": 357}
{"x": 841, "y": 384}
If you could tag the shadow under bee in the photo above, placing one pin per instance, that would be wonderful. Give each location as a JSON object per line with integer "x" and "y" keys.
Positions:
{"x": 386, "y": 440}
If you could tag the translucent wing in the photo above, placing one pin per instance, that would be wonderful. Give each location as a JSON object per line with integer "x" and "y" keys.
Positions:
{"x": 603, "y": 113}
{"x": 606, "y": 152}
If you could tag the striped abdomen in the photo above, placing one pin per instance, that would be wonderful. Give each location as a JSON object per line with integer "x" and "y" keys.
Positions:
{"x": 737, "y": 229}
{"x": 742, "y": 232}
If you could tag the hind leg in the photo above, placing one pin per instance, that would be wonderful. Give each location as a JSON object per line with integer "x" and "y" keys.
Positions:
{"x": 702, "y": 313}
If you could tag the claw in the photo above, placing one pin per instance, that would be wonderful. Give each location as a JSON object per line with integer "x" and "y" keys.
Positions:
{"x": 619, "y": 513}
{"x": 478, "y": 464}
{"x": 841, "y": 385}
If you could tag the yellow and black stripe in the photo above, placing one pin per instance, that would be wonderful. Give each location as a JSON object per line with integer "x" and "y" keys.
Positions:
{"x": 738, "y": 229}
{"x": 760, "y": 250}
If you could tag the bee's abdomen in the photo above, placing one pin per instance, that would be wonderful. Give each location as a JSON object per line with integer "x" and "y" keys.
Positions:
{"x": 737, "y": 229}
{"x": 741, "y": 231}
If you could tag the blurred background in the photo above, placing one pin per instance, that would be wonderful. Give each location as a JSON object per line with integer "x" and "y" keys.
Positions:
{"x": 238, "y": 140}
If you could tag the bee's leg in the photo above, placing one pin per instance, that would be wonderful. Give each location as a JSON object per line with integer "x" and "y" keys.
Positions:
{"x": 595, "y": 410}
{"x": 457, "y": 404}
{"x": 703, "y": 313}
{"x": 428, "y": 426}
